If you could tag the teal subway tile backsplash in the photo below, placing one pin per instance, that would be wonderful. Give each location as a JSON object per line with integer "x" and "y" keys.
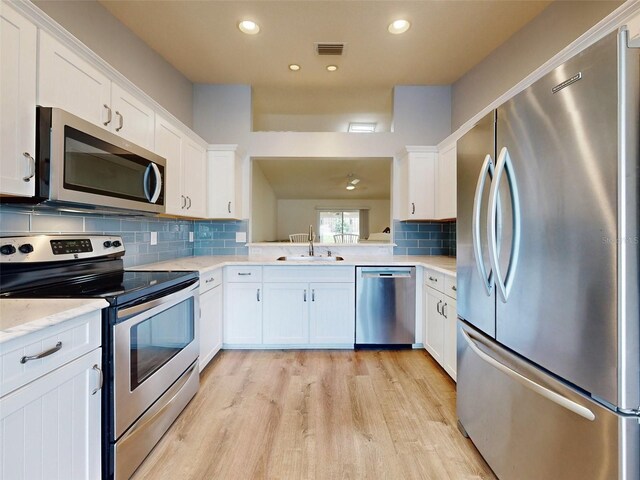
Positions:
{"x": 210, "y": 237}
{"x": 424, "y": 238}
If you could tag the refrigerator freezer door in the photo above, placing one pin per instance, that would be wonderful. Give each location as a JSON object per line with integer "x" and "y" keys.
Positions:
{"x": 476, "y": 292}
{"x": 529, "y": 426}
{"x": 561, "y": 136}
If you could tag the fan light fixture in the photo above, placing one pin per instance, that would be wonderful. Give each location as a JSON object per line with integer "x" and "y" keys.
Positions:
{"x": 352, "y": 182}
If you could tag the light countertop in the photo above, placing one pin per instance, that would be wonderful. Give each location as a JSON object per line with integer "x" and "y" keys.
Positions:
{"x": 21, "y": 316}
{"x": 446, "y": 265}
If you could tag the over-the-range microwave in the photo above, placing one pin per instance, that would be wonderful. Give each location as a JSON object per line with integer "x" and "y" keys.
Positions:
{"x": 79, "y": 164}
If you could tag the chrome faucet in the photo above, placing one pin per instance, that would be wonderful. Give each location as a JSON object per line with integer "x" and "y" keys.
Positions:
{"x": 311, "y": 240}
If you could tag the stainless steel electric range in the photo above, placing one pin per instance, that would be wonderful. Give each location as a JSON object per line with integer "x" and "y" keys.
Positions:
{"x": 149, "y": 332}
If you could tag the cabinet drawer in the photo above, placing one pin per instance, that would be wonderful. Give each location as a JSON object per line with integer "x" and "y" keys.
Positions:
{"x": 210, "y": 280}
{"x": 250, "y": 273}
{"x": 321, "y": 273}
{"x": 434, "y": 280}
{"x": 450, "y": 286}
{"x": 75, "y": 338}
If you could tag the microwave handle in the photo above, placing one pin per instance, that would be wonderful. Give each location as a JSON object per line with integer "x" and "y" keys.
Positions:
{"x": 156, "y": 193}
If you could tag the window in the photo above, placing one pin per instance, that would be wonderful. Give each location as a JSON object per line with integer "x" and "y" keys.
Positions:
{"x": 333, "y": 222}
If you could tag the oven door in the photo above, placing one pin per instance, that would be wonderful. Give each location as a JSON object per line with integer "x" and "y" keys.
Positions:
{"x": 154, "y": 343}
{"x": 92, "y": 166}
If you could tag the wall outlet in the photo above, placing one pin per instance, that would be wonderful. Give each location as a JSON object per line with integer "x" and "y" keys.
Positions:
{"x": 241, "y": 237}
{"x": 153, "y": 240}
{"x": 191, "y": 236}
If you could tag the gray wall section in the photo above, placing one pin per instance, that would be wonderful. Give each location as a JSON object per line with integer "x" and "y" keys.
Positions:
{"x": 94, "y": 26}
{"x": 222, "y": 113}
{"x": 422, "y": 114}
{"x": 557, "y": 26}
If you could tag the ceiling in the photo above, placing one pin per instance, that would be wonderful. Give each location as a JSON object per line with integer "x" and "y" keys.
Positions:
{"x": 446, "y": 39}
{"x": 308, "y": 178}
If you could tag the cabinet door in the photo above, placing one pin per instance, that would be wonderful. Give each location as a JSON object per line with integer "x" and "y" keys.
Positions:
{"x": 422, "y": 174}
{"x": 194, "y": 178}
{"x": 50, "y": 428}
{"x": 332, "y": 314}
{"x": 446, "y": 183}
{"x": 17, "y": 103}
{"x": 210, "y": 325}
{"x": 221, "y": 171}
{"x": 243, "y": 314}
{"x": 67, "y": 81}
{"x": 286, "y": 313}
{"x": 168, "y": 144}
{"x": 132, "y": 118}
{"x": 434, "y": 334}
{"x": 450, "y": 334}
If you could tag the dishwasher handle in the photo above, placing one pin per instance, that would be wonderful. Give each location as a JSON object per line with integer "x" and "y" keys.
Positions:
{"x": 386, "y": 274}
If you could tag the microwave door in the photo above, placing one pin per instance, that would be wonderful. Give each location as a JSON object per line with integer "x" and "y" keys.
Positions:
{"x": 91, "y": 166}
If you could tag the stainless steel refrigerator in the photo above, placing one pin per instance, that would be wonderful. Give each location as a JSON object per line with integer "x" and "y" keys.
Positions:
{"x": 547, "y": 264}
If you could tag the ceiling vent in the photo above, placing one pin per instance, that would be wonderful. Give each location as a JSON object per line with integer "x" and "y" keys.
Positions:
{"x": 329, "y": 48}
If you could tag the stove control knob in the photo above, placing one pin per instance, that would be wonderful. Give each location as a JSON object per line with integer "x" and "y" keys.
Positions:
{"x": 107, "y": 244}
{"x": 7, "y": 249}
{"x": 26, "y": 248}
{"x": 116, "y": 243}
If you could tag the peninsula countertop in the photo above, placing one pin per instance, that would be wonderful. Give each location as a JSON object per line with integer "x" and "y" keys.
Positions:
{"x": 203, "y": 264}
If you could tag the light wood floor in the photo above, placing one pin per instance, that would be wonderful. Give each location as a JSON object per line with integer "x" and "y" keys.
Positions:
{"x": 318, "y": 415}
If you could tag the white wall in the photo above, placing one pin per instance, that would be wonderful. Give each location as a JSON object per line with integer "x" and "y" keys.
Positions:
{"x": 547, "y": 34}
{"x": 264, "y": 208}
{"x": 295, "y": 216}
{"x": 222, "y": 113}
{"x": 94, "y": 26}
{"x": 422, "y": 115}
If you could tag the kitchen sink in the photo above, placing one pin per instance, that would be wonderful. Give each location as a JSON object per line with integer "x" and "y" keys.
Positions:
{"x": 307, "y": 258}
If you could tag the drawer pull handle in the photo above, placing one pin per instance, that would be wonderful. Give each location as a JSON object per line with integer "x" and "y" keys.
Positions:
{"x": 244, "y": 274}
{"x": 438, "y": 307}
{"x": 258, "y": 295}
{"x": 433, "y": 279}
{"x": 46, "y": 353}
{"x": 454, "y": 288}
{"x": 101, "y": 382}
{"x": 209, "y": 280}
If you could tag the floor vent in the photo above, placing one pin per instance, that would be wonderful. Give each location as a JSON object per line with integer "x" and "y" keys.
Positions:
{"x": 329, "y": 48}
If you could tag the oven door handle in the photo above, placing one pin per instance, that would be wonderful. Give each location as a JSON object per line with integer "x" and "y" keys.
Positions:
{"x": 143, "y": 307}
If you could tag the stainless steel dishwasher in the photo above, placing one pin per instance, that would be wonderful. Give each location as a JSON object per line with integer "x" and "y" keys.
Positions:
{"x": 385, "y": 306}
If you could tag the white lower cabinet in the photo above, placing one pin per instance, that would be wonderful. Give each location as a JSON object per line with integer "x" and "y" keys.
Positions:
{"x": 286, "y": 313}
{"x": 434, "y": 326}
{"x": 440, "y": 321}
{"x": 242, "y": 313}
{"x": 210, "y": 317}
{"x": 332, "y": 314}
{"x": 50, "y": 428}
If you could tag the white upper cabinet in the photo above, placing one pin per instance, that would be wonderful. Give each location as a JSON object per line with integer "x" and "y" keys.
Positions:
{"x": 185, "y": 173}
{"x": 194, "y": 172}
{"x": 132, "y": 118}
{"x": 223, "y": 182}
{"x": 446, "y": 183}
{"x": 417, "y": 183}
{"x": 168, "y": 144}
{"x": 68, "y": 81}
{"x": 18, "y": 38}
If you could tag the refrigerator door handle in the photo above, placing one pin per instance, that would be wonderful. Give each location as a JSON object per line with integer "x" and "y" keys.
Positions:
{"x": 487, "y": 279}
{"x": 504, "y": 164}
{"x": 530, "y": 384}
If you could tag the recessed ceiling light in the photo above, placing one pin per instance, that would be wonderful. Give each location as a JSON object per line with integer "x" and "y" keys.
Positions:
{"x": 362, "y": 127}
{"x": 332, "y": 68}
{"x": 294, "y": 67}
{"x": 248, "y": 27}
{"x": 399, "y": 26}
